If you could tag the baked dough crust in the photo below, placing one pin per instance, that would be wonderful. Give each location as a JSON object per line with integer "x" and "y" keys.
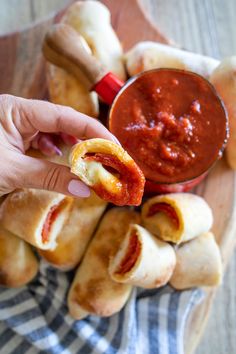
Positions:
{"x": 152, "y": 55}
{"x": 194, "y": 217}
{"x": 93, "y": 291}
{"x": 18, "y": 264}
{"x": 25, "y": 211}
{"x": 74, "y": 238}
{"x": 153, "y": 264}
{"x": 198, "y": 263}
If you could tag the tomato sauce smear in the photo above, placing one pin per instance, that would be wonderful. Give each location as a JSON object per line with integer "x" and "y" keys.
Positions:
{"x": 171, "y": 122}
{"x": 130, "y": 178}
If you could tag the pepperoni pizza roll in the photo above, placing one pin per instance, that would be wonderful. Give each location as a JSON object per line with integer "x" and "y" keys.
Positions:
{"x": 143, "y": 260}
{"x": 92, "y": 20}
{"x": 108, "y": 169}
{"x": 76, "y": 233}
{"x": 152, "y": 55}
{"x": 224, "y": 80}
{"x": 18, "y": 264}
{"x": 93, "y": 291}
{"x": 37, "y": 216}
{"x": 177, "y": 217}
{"x": 198, "y": 263}
{"x": 67, "y": 90}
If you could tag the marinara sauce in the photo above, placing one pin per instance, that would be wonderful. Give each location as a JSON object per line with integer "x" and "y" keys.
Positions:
{"x": 171, "y": 122}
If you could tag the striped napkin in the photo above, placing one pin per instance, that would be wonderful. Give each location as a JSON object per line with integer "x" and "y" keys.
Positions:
{"x": 35, "y": 319}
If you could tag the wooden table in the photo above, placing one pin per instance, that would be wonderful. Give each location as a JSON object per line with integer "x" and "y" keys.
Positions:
{"x": 203, "y": 26}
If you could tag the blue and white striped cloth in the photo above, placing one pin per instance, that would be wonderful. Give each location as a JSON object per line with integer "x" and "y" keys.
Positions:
{"x": 35, "y": 319}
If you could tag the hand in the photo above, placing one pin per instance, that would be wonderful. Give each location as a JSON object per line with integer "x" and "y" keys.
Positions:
{"x": 20, "y": 122}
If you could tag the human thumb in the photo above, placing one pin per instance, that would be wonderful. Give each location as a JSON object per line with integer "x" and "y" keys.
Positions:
{"x": 43, "y": 174}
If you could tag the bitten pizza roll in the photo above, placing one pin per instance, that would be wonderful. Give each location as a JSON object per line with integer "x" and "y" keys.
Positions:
{"x": 36, "y": 216}
{"x": 142, "y": 260}
{"x": 93, "y": 291}
{"x": 177, "y": 217}
{"x": 108, "y": 169}
{"x": 93, "y": 21}
{"x": 76, "y": 233}
{"x": 224, "y": 80}
{"x": 18, "y": 264}
{"x": 198, "y": 263}
{"x": 152, "y": 55}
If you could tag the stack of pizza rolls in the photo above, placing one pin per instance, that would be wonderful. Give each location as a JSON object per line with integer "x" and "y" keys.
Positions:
{"x": 91, "y": 20}
{"x": 131, "y": 249}
{"x": 58, "y": 227}
{"x": 173, "y": 245}
{"x": 168, "y": 242}
{"x": 185, "y": 219}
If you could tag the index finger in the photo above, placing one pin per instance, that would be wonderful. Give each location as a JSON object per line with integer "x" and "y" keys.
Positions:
{"x": 35, "y": 115}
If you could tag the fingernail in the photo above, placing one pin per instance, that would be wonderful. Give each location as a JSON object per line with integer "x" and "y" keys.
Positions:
{"x": 116, "y": 140}
{"x": 78, "y": 189}
{"x": 69, "y": 139}
{"x": 57, "y": 151}
{"x": 47, "y": 146}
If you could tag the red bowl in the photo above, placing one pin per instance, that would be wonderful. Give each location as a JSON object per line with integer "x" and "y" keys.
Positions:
{"x": 183, "y": 183}
{"x": 153, "y": 188}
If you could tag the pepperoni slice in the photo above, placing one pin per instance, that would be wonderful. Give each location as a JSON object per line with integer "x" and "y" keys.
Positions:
{"x": 131, "y": 255}
{"x": 51, "y": 217}
{"x": 164, "y": 208}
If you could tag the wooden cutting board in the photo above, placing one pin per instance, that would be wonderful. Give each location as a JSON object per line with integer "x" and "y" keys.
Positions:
{"x": 218, "y": 188}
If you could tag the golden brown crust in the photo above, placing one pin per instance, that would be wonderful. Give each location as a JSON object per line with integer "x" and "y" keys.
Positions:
{"x": 92, "y": 20}
{"x": 198, "y": 263}
{"x": 149, "y": 55}
{"x": 76, "y": 233}
{"x": 67, "y": 90}
{"x": 18, "y": 264}
{"x": 93, "y": 290}
{"x": 99, "y": 146}
{"x": 194, "y": 217}
{"x": 24, "y": 212}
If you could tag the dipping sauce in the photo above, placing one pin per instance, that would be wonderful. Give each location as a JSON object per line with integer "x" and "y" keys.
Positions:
{"x": 171, "y": 122}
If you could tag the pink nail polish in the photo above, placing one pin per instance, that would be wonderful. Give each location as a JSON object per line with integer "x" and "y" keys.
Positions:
{"x": 47, "y": 146}
{"x": 57, "y": 151}
{"x": 78, "y": 189}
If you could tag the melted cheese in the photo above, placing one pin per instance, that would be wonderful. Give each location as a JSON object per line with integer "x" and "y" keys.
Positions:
{"x": 96, "y": 173}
